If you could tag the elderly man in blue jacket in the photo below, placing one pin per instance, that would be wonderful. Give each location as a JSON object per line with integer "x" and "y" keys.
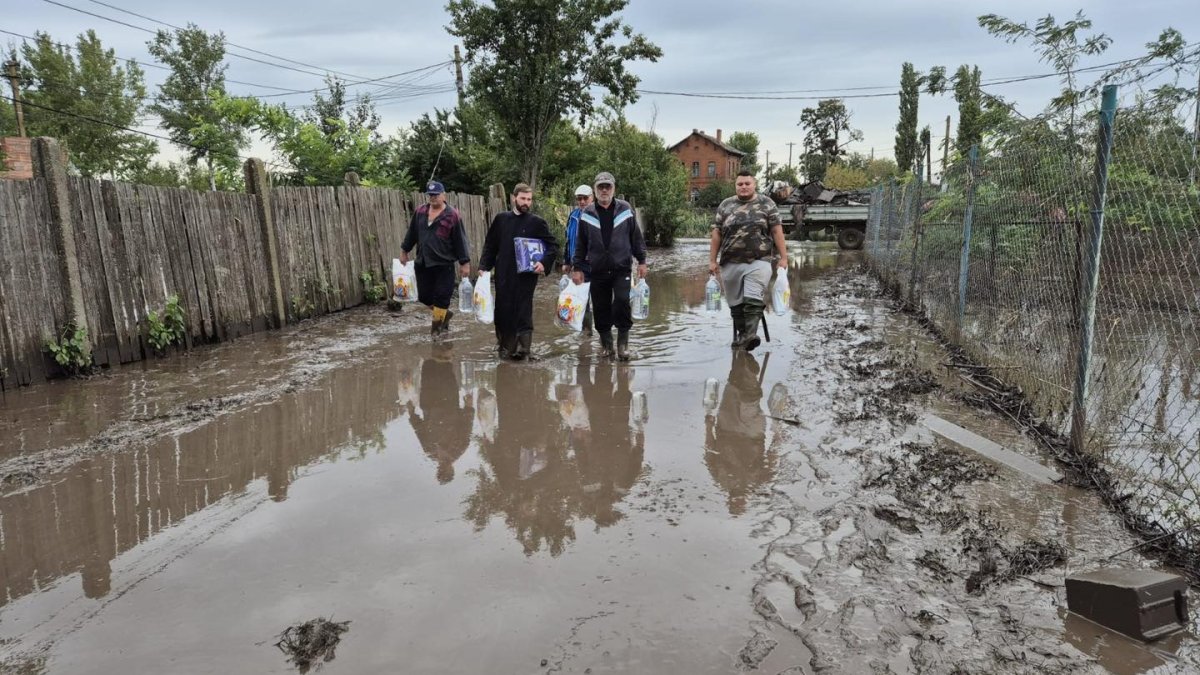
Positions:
{"x": 583, "y": 199}
{"x": 609, "y": 241}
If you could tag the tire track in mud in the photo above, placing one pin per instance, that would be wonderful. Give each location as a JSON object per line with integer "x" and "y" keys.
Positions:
{"x": 877, "y": 559}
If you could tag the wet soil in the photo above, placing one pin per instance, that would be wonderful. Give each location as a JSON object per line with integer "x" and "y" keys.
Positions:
{"x": 474, "y": 516}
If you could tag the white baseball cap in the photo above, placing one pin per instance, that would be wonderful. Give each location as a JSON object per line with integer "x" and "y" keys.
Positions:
{"x": 583, "y": 191}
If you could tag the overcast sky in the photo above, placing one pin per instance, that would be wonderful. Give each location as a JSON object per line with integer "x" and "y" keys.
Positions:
{"x": 709, "y": 46}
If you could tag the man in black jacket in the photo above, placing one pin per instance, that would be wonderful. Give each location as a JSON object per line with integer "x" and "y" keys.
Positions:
{"x": 438, "y": 230}
{"x": 514, "y": 289}
{"x": 608, "y": 242}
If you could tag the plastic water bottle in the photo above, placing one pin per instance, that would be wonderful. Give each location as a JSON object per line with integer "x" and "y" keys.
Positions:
{"x": 563, "y": 283}
{"x": 711, "y": 392}
{"x": 712, "y": 295}
{"x": 639, "y": 300}
{"x": 781, "y": 297}
{"x": 466, "y": 297}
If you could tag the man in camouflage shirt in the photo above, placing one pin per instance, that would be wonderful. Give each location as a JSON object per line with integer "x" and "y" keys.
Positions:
{"x": 748, "y": 237}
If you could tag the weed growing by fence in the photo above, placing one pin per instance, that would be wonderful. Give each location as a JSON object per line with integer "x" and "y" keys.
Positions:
{"x": 70, "y": 350}
{"x": 373, "y": 292}
{"x": 167, "y": 328}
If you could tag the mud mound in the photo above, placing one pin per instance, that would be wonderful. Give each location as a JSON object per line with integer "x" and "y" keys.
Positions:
{"x": 312, "y": 643}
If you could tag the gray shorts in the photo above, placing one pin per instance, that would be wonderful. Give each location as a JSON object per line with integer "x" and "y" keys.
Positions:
{"x": 746, "y": 280}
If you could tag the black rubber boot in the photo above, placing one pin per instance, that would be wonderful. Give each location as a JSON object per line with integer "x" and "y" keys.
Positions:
{"x": 606, "y": 344}
{"x": 752, "y": 310}
{"x": 524, "y": 344}
{"x": 622, "y": 345}
{"x": 739, "y": 324}
{"x": 446, "y": 321}
{"x": 508, "y": 345}
{"x": 435, "y": 327}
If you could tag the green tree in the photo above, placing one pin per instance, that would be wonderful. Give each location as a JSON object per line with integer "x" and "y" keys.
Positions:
{"x": 645, "y": 171}
{"x": 88, "y": 101}
{"x": 714, "y": 193}
{"x": 464, "y": 149}
{"x": 1060, "y": 45}
{"x": 747, "y": 142}
{"x": 970, "y": 108}
{"x": 825, "y": 127}
{"x": 535, "y": 63}
{"x": 907, "y": 146}
{"x": 187, "y": 99}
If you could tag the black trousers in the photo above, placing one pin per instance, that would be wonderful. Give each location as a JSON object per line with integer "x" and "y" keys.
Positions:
{"x": 435, "y": 285}
{"x": 610, "y": 300}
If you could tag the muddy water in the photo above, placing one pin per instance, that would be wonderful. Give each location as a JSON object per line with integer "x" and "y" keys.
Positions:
{"x": 557, "y": 516}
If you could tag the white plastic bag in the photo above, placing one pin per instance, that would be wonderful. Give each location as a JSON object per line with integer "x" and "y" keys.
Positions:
{"x": 563, "y": 282}
{"x": 404, "y": 280}
{"x": 485, "y": 304}
{"x": 781, "y": 297}
{"x": 466, "y": 297}
{"x": 572, "y": 304}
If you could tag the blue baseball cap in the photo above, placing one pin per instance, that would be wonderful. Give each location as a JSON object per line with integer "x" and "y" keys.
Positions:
{"x": 434, "y": 188}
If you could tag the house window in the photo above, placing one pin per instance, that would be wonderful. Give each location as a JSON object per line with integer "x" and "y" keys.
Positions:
{"x": 712, "y": 169}
{"x": 695, "y": 169}
{"x": 695, "y": 194}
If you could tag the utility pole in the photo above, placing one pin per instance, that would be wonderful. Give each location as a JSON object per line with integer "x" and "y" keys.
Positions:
{"x": 458, "y": 77}
{"x": 1195, "y": 130}
{"x": 14, "y": 79}
{"x": 790, "y": 154}
{"x": 946, "y": 150}
{"x": 767, "y": 164}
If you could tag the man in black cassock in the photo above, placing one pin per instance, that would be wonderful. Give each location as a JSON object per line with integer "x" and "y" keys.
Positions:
{"x": 514, "y": 290}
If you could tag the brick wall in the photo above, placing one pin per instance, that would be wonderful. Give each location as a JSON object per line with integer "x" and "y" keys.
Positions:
{"x": 18, "y": 158}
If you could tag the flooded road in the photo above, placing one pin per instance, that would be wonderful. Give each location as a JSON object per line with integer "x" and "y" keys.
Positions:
{"x": 563, "y": 515}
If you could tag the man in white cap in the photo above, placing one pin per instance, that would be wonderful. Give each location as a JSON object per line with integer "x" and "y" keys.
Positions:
{"x": 583, "y": 199}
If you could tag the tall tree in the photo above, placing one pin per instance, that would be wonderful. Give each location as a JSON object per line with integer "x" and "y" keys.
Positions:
{"x": 88, "y": 101}
{"x": 186, "y": 101}
{"x": 970, "y": 108}
{"x": 1060, "y": 45}
{"x": 747, "y": 142}
{"x": 535, "y": 62}
{"x": 827, "y": 130}
{"x": 907, "y": 147}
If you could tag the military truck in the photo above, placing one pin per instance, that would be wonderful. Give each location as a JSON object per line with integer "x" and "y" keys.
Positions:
{"x": 814, "y": 209}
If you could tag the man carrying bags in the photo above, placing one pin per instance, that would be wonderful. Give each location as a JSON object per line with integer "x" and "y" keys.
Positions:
{"x": 608, "y": 242}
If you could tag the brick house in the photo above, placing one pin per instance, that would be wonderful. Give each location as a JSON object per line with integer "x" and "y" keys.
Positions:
{"x": 706, "y": 159}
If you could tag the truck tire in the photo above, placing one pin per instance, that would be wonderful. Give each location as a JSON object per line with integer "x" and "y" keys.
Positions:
{"x": 851, "y": 238}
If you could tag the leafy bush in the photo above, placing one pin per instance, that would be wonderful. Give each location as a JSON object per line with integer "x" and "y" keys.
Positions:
{"x": 373, "y": 292}
{"x": 70, "y": 350}
{"x": 169, "y": 327}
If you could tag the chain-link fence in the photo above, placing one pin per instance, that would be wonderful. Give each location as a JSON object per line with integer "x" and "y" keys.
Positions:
{"x": 1000, "y": 258}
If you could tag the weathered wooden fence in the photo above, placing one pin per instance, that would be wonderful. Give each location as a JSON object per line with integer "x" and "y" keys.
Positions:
{"x": 102, "y": 255}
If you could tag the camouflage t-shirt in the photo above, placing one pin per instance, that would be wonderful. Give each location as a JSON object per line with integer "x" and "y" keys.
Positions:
{"x": 745, "y": 228}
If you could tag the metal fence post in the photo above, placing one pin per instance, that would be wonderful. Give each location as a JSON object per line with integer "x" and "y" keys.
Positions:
{"x": 1090, "y": 278}
{"x": 964, "y": 262}
{"x": 916, "y": 235}
{"x": 890, "y": 189}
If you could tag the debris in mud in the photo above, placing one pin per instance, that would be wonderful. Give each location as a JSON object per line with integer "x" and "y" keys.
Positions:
{"x": 999, "y": 564}
{"x": 927, "y": 618}
{"x": 913, "y": 382}
{"x": 900, "y": 521}
{"x": 757, "y": 649}
{"x": 926, "y": 471}
{"x": 17, "y": 480}
{"x": 932, "y": 561}
{"x": 312, "y": 643}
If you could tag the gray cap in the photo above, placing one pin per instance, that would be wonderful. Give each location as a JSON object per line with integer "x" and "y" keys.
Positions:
{"x": 604, "y": 177}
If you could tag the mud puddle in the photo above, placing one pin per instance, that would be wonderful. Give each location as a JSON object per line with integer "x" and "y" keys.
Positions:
{"x": 565, "y": 515}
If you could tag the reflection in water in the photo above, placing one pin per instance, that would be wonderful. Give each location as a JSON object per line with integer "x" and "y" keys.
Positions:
{"x": 735, "y": 439}
{"x": 549, "y": 463}
{"x": 80, "y": 522}
{"x": 443, "y": 422}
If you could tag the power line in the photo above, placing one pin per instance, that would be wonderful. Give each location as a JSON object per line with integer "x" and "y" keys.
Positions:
{"x": 359, "y": 78}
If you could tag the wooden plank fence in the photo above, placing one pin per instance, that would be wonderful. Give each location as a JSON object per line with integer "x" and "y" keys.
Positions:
{"x": 136, "y": 245}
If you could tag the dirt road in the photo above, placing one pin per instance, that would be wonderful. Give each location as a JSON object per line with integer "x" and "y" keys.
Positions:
{"x": 800, "y": 514}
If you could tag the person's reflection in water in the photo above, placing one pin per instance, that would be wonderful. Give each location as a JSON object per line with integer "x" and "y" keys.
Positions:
{"x": 609, "y": 452}
{"x": 443, "y": 426}
{"x": 527, "y": 478}
{"x": 735, "y": 438}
